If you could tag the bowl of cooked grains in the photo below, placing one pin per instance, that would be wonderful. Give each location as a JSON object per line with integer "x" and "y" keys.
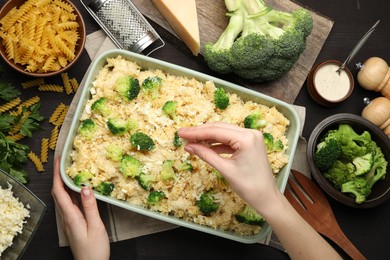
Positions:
{"x": 21, "y": 213}
{"x": 41, "y": 38}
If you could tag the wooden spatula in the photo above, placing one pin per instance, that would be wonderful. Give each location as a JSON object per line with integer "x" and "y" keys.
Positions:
{"x": 312, "y": 205}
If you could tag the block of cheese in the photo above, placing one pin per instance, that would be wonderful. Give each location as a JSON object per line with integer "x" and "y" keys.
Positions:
{"x": 182, "y": 17}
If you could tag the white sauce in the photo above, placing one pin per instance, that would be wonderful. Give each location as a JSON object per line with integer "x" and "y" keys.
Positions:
{"x": 329, "y": 84}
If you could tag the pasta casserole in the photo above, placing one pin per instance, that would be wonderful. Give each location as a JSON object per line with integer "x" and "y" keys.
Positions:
{"x": 101, "y": 150}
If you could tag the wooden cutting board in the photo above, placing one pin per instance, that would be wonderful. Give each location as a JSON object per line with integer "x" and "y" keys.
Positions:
{"x": 212, "y": 22}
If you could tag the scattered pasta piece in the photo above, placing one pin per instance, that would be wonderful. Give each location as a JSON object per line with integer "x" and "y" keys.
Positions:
{"x": 51, "y": 87}
{"x": 67, "y": 85}
{"x": 61, "y": 118}
{"x": 44, "y": 149}
{"x": 36, "y": 160}
{"x": 53, "y": 138}
{"x": 28, "y": 103}
{"x": 75, "y": 84}
{"x": 16, "y": 137}
{"x": 33, "y": 83}
{"x": 11, "y": 104}
{"x": 57, "y": 113}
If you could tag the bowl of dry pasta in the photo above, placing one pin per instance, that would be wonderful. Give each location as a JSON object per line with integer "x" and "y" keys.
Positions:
{"x": 41, "y": 38}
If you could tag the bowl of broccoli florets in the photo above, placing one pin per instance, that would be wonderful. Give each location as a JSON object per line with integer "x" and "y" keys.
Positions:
{"x": 349, "y": 158}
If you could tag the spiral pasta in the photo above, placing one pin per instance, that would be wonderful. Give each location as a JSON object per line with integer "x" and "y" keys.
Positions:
{"x": 53, "y": 138}
{"x": 62, "y": 116}
{"x": 33, "y": 83}
{"x": 51, "y": 87}
{"x": 75, "y": 84}
{"x": 57, "y": 112}
{"x": 44, "y": 149}
{"x": 36, "y": 160}
{"x": 16, "y": 137}
{"x": 67, "y": 84}
{"x": 11, "y": 104}
{"x": 28, "y": 103}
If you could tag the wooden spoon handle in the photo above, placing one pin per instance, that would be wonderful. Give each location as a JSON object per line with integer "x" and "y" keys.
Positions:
{"x": 343, "y": 242}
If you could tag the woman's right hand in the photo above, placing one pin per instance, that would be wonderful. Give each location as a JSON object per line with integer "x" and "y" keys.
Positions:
{"x": 247, "y": 168}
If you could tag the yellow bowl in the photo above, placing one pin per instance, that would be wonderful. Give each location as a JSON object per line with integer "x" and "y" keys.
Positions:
{"x": 10, "y": 5}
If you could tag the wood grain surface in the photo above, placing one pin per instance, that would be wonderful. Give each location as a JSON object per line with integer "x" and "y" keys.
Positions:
{"x": 212, "y": 22}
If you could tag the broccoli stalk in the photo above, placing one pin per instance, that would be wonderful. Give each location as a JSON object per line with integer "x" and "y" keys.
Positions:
{"x": 259, "y": 43}
{"x": 358, "y": 187}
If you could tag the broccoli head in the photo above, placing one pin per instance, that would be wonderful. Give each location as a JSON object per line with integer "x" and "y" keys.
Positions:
{"x": 114, "y": 152}
{"x": 151, "y": 85}
{"x": 167, "y": 171}
{"x": 117, "y": 126}
{"x": 254, "y": 121}
{"x": 259, "y": 43}
{"x": 130, "y": 166}
{"x": 142, "y": 142}
{"x": 271, "y": 144}
{"x": 146, "y": 180}
{"x": 83, "y": 178}
{"x": 328, "y": 151}
{"x": 249, "y": 216}
{"x": 87, "y": 128}
{"x": 155, "y": 197}
{"x": 105, "y": 188}
{"x": 221, "y": 98}
{"x": 185, "y": 166}
{"x": 207, "y": 203}
{"x": 363, "y": 164}
{"x": 101, "y": 106}
{"x": 340, "y": 173}
{"x": 358, "y": 187}
{"x": 128, "y": 87}
{"x": 169, "y": 109}
{"x": 176, "y": 140}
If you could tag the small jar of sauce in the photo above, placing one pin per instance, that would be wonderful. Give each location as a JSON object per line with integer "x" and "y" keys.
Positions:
{"x": 328, "y": 87}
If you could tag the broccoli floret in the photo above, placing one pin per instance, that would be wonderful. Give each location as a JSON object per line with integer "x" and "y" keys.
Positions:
{"x": 167, "y": 171}
{"x": 327, "y": 153}
{"x": 130, "y": 166}
{"x": 142, "y": 142}
{"x": 379, "y": 168}
{"x": 249, "y": 216}
{"x": 340, "y": 173}
{"x": 358, "y": 187}
{"x": 207, "y": 203}
{"x": 151, "y": 85}
{"x": 128, "y": 87}
{"x": 363, "y": 164}
{"x": 155, "y": 197}
{"x": 169, "y": 109}
{"x": 185, "y": 166}
{"x": 259, "y": 43}
{"x": 271, "y": 144}
{"x": 176, "y": 140}
{"x": 83, "y": 178}
{"x": 100, "y": 106}
{"x": 254, "y": 121}
{"x": 105, "y": 188}
{"x": 87, "y": 128}
{"x": 114, "y": 152}
{"x": 221, "y": 98}
{"x": 117, "y": 126}
{"x": 146, "y": 180}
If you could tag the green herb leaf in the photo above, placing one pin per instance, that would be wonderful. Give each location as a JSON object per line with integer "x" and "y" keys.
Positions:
{"x": 6, "y": 122}
{"x": 8, "y": 91}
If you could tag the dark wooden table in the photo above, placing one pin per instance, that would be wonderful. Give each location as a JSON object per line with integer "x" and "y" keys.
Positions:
{"x": 368, "y": 229}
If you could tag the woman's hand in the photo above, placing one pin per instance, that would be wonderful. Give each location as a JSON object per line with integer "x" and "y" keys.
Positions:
{"x": 86, "y": 233}
{"x": 247, "y": 168}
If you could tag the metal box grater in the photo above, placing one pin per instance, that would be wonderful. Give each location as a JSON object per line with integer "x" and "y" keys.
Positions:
{"x": 125, "y": 25}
